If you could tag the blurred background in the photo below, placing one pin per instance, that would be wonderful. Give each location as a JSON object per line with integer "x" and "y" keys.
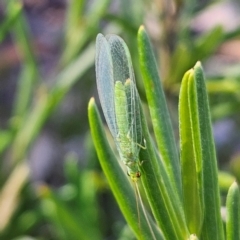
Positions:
{"x": 51, "y": 185}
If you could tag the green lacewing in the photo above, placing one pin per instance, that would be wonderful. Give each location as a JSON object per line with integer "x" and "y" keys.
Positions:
{"x": 120, "y": 103}
{"x": 119, "y": 99}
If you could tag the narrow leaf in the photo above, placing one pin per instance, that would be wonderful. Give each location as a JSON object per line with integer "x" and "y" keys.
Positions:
{"x": 212, "y": 225}
{"x": 158, "y": 110}
{"x": 11, "y": 18}
{"x": 162, "y": 197}
{"x": 118, "y": 180}
{"x": 29, "y": 70}
{"x": 190, "y": 146}
{"x": 233, "y": 213}
{"x": 85, "y": 27}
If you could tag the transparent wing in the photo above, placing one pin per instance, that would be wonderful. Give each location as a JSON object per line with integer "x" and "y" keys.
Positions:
{"x": 122, "y": 71}
{"x": 105, "y": 82}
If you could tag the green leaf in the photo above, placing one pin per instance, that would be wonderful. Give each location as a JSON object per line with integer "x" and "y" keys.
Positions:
{"x": 187, "y": 52}
{"x": 14, "y": 10}
{"x": 225, "y": 180}
{"x": 118, "y": 180}
{"x": 158, "y": 110}
{"x": 162, "y": 197}
{"x": 84, "y": 28}
{"x": 190, "y": 147}
{"x": 74, "y": 13}
{"x": 161, "y": 178}
{"x": 233, "y": 213}
{"x": 212, "y": 225}
{"x": 208, "y": 43}
{"x": 6, "y": 138}
{"x": 29, "y": 71}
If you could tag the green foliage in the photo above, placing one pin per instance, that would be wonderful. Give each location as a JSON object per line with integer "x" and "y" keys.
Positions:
{"x": 28, "y": 117}
{"x": 72, "y": 210}
{"x": 185, "y": 203}
{"x": 180, "y": 193}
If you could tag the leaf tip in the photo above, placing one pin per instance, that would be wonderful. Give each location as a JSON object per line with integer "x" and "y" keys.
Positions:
{"x": 141, "y": 31}
{"x": 188, "y": 74}
{"x": 141, "y": 28}
{"x": 198, "y": 65}
{"x": 234, "y": 185}
{"x": 91, "y": 102}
